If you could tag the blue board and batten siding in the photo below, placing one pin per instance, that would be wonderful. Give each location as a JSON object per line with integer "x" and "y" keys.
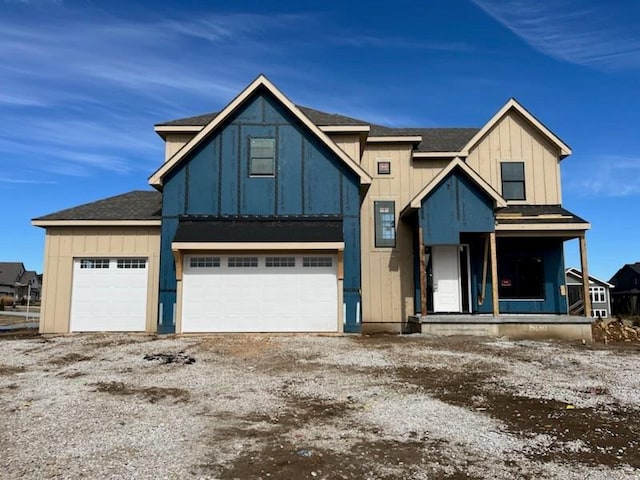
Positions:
{"x": 309, "y": 180}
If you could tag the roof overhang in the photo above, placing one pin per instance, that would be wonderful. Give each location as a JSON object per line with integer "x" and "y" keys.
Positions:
{"x": 156, "y": 179}
{"x": 395, "y": 139}
{"x": 513, "y": 104}
{"x": 256, "y": 246}
{"x": 436, "y": 154}
{"x": 96, "y": 223}
{"x": 518, "y": 227}
{"x": 416, "y": 202}
{"x": 163, "y": 130}
{"x": 345, "y": 128}
{"x": 577, "y": 274}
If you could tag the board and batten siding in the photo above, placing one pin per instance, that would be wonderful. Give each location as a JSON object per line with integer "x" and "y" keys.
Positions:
{"x": 513, "y": 138}
{"x": 387, "y": 273}
{"x": 63, "y": 244}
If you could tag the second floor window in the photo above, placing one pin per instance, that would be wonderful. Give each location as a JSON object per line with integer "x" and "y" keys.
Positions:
{"x": 385, "y": 224}
{"x": 262, "y": 157}
{"x": 597, "y": 294}
{"x": 512, "y": 180}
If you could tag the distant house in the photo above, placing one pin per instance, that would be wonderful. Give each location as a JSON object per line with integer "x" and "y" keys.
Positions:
{"x": 625, "y": 297}
{"x": 15, "y": 281}
{"x": 599, "y": 292}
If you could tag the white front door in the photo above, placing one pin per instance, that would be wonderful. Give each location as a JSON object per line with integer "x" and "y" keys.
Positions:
{"x": 446, "y": 279}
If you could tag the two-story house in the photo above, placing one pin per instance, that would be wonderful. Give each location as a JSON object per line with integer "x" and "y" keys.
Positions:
{"x": 268, "y": 217}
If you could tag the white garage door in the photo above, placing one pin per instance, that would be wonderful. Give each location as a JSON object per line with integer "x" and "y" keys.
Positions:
{"x": 260, "y": 293}
{"x": 109, "y": 294}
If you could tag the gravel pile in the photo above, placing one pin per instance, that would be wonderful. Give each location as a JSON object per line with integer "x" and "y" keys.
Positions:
{"x": 119, "y": 406}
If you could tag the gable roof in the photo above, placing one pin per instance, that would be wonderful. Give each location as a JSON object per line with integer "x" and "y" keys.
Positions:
{"x": 142, "y": 207}
{"x": 513, "y": 104}
{"x": 10, "y": 272}
{"x": 574, "y": 272}
{"x": 156, "y": 179}
{"x": 416, "y": 202}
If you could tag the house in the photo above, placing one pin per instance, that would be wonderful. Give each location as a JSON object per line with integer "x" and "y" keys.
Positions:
{"x": 268, "y": 216}
{"x": 625, "y": 297}
{"x": 16, "y": 282}
{"x": 599, "y": 293}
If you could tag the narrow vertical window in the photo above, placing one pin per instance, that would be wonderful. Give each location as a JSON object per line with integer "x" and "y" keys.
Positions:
{"x": 385, "y": 224}
{"x": 512, "y": 180}
{"x": 262, "y": 157}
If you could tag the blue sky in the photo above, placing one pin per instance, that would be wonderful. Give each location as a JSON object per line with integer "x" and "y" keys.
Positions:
{"x": 83, "y": 82}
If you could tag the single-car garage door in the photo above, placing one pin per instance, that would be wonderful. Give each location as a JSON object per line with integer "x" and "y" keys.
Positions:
{"x": 260, "y": 293}
{"x": 109, "y": 294}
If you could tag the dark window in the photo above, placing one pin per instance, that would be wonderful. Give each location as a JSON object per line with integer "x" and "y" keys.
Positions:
{"x": 280, "y": 262}
{"x": 262, "y": 157}
{"x": 94, "y": 263}
{"x": 132, "y": 263}
{"x": 512, "y": 180}
{"x": 204, "y": 262}
{"x": 237, "y": 262}
{"x": 520, "y": 277}
{"x": 313, "y": 262}
{"x": 384, "y": 167}
{"x": 385, "y": 223}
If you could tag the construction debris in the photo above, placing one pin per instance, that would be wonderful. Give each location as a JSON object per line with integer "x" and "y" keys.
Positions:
{"x": 167, "y": 358}
{"x": 615, "y": 330}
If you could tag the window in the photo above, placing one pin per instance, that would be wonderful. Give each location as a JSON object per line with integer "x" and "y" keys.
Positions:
{"x": 385, "y": 224}
{"x": 521, "y": 277}
{"x": 599, "y": 313}
{"x": 597, "y": 294}
{"x": 132, "y": 263}
{"x": 235, "y": 262}
{"x": 280, "y": 262}
{"x": 512, "y": 180}
{"x": 262, "y": 157}
{"x": 94, "y": 263}
{"x": 204, "y": 262}
{"x": 313, "y": 262}
{"x": 384, "y": 167}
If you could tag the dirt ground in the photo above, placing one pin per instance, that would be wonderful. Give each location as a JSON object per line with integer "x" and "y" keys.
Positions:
{"x": 294, "y": 407}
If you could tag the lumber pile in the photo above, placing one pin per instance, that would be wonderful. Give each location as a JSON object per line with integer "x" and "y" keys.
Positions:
{"x": 615, "y": 330}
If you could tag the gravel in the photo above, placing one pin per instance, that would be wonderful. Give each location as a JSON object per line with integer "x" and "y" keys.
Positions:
{"x": 382, "y": 407}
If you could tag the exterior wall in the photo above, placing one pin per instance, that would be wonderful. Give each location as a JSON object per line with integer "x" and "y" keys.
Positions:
{"x": 350, "y": 144}
{"x": 63, "y": 244}
{"x": 455, "y": 206}
{"x": 174, "y": 142}
{"x": 214, "y": 180}
{"x": 512, "y": 138}
{"x": 388, "y": 288}
{"x": 574, "y": 293}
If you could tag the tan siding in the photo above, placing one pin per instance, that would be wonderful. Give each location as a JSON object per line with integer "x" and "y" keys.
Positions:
{"x": 513, "y": 138}
{"x": 63, "y": 244}
{"x": 350, "y": 144}
{"x": 174, "y": 142}
{"x": 387, "y": 273}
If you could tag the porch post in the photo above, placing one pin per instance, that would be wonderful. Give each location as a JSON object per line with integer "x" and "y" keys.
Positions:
{"x": 423, "y": 276}
{"x": 494, "y": 274}
{"x": 585, "y": 275}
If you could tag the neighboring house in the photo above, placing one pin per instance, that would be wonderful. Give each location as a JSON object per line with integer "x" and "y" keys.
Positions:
{"x": 268, "y": 216}
{"x": 15, "y": 281}
{"x": 625, "y": 297}
{"x": 599, "y": 293}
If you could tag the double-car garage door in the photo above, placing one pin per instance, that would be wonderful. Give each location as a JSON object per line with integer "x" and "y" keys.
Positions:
{"x": 260, "y": 293}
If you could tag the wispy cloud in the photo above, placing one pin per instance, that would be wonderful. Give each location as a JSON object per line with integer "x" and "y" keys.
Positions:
{"x": 583, "y": 32}
{"x": 605, "y": 175}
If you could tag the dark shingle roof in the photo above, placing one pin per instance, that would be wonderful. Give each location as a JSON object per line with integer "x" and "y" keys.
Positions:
{"x": 433, "y": 139}
{"x": 546, "y": 214}
{"x": 136, "y": 205}
{"x": 10, "y": 272}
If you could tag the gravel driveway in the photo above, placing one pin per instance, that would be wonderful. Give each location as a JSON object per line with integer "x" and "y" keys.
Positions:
{"x": 297, "y": 407}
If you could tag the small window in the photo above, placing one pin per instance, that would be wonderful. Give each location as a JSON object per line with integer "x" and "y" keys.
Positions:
{"x": 512, "y": 180}
{"x": 237, "y": 262}
{"x": 132, "y": 263}
{"x": 384, "y": 167}
{"x": 385, "y": 224}
{"x": 94, "y": 263}
{"x": 599, "y": 313}
{"x": 262, "y": 157}
{"x": 280, "y": 262}
{"x": 204, "y": 262}
{"x": 521, "y": 277}
{"x": 597, "y": 294}
{"x": 314, "y": 262}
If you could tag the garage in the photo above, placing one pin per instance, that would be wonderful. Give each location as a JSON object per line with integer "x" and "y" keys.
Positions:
{"x": 271, "y": 292}
{"x": 109, "y": 294}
